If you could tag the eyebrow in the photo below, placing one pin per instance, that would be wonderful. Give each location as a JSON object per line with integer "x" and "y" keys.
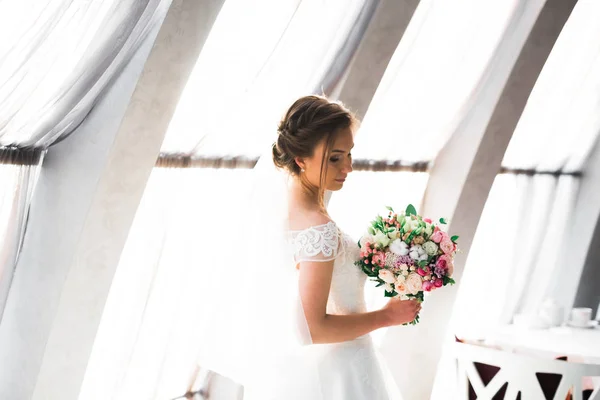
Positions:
{"x": 338, "y": 151}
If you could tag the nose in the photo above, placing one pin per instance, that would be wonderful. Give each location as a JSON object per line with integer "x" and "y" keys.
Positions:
{"x": 347, "y": 167}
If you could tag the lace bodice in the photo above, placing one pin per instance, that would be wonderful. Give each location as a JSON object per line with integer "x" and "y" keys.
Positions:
{"x": 325, "y": 243}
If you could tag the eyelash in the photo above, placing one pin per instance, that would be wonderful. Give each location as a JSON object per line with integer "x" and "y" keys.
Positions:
{"x": 336, "y": 159}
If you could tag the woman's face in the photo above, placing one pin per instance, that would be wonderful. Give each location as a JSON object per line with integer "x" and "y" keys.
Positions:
{"x": 339, "y": 161}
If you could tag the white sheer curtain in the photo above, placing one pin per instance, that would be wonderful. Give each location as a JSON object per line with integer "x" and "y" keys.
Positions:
{"x": 17, "y": 182}
{"x": 514, "y": 260}
{"x": 147, "y": 343}
{"x": 58, "y": 56}
{"x": 514, "y": 255}
{"x": 446, "y": 54}
{"x": 259, "y": 57}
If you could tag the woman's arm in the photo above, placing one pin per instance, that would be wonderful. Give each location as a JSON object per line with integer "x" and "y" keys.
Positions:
{"x": 315, "y": 281}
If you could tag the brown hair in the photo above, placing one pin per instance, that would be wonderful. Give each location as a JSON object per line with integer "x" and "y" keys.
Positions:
{"x": 310, "y": 120}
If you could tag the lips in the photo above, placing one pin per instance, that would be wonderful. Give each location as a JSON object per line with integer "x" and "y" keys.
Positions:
{"x": 341, "y": 180}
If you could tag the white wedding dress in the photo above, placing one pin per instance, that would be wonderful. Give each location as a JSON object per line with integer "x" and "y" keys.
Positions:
{"x": 351, "y": 370}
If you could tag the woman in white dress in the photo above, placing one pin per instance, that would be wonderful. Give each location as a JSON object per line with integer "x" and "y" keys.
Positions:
{"x": 340, "y": 362}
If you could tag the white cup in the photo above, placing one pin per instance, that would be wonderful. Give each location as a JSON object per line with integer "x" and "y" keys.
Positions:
{"x": 581, "y": 316}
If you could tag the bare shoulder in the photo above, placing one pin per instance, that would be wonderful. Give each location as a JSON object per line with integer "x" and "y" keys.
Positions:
{"x": 303, "y": 219}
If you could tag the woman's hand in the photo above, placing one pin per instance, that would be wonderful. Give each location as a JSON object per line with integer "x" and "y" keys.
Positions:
{"x": 398, "y": 312}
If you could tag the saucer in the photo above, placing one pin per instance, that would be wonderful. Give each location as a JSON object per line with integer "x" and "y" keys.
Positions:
{"x": 589, "y": 325}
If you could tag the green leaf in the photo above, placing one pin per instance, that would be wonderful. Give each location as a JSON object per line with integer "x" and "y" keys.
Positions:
{"x": 359, "y": 246}
{"x": 410, "y": 237}
{"x": 389, "y": 208}
{"x": 366, "y": 269}
{"x": 454, "y": 238}
{"x": 422, "y": 263}
{"x": 443, "y": 221}
{"x": 448, "y": 281}
{"x": 380, "y": 284}
{"x": 390, "y": 294}
{"x": 411, "y": 210}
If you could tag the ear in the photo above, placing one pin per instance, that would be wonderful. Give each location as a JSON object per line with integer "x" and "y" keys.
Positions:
{"x": 300, "y": 162}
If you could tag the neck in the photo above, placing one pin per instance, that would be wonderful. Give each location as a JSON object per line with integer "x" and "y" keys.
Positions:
{"x": 304, "y": 197}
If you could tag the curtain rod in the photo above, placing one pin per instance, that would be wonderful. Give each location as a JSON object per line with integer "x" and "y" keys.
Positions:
{"x": 13, "y": 155}
{"x": 183, "y": 161}
{"x": 532, "y": 172}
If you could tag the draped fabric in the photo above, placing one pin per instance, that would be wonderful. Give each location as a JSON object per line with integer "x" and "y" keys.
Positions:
{"x": 19, "y": 171}
{"x": 515, "y": 254}
{"x": 147, "y": 341}
{"x": 522, "y": 236}
{"x": 449, "y": 55}
{"x": 65, "y": 53}
{"x": 62, "y": 57}
{"x": 258, "y": 58}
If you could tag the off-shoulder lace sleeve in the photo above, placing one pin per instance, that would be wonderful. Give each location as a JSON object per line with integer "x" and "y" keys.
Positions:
{"x": 317, "y": 243}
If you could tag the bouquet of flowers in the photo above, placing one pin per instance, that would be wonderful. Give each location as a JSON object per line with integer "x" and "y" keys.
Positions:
{"x": 407, "y": 254}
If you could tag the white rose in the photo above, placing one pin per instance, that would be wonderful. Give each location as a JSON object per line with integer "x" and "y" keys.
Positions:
{"x": 393, "y": 234}
{"x": 401, "y": 288}
{"x": 400, "y": 279}
{"x": 414, "y": 283}
{"x": 414, "y": 224}
{"x": 423, "y": 257}
{"x": 382, "y": 239}
{"x": 428, "y": 230}
{"x": 387, "y": 276}
{"x": 399, "y": 247}
{"x": 367, "y": 238}
{"x": 414, "y": 254}
{"x": 430, "y": 248}
{"x": 388, "y": 288}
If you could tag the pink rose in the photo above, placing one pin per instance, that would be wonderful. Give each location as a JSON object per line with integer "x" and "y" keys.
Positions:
{"x": 446, "y": 263}
{"x": 421, "y": 272}
{"x": 427, "y": 220}
{"x": 437, "y": 236}
{"x": 447, "y": 246}
{"x": 427, "y": 286}
{"x": 438, "y": 283}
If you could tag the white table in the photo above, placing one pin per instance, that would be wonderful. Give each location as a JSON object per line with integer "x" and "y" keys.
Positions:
{"x": 576, "y": 343}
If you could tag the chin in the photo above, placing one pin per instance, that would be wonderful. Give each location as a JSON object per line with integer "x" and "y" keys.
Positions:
{"x": 334, "y": 187}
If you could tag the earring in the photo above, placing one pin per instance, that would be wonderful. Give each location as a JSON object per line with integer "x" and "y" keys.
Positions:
{"x": 302, "y": 170}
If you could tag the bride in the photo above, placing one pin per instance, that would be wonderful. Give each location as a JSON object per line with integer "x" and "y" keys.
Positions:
{"x": 306, "y": 330}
